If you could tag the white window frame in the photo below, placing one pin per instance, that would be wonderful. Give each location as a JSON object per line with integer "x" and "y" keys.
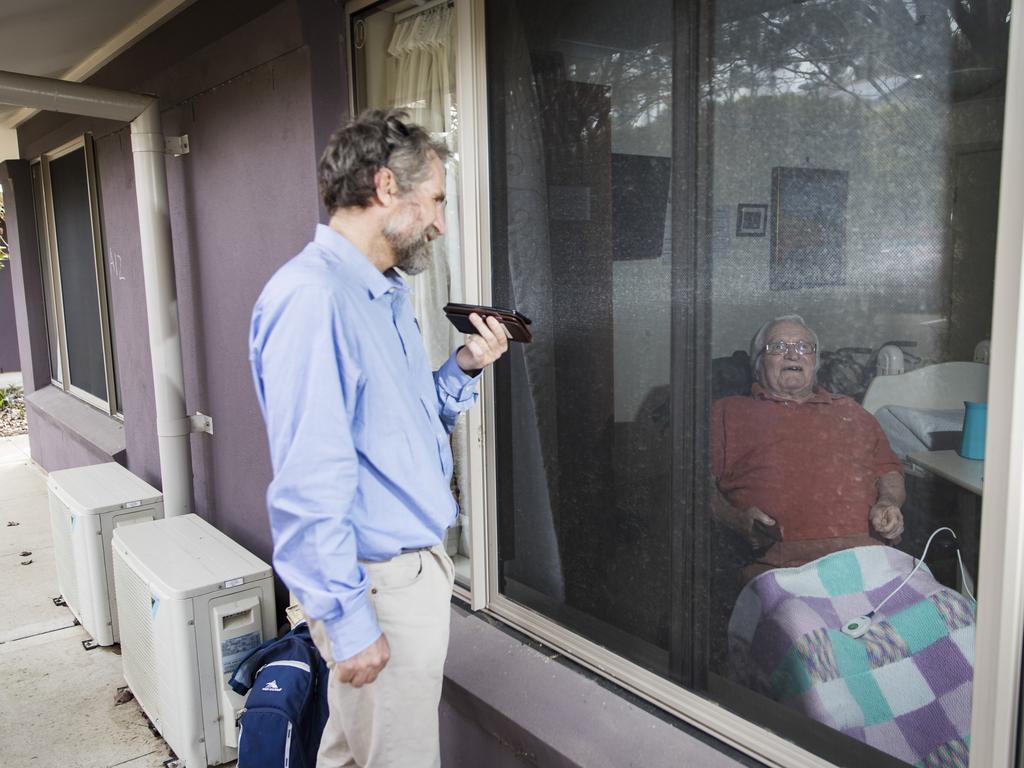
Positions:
{"x": 471, "y": 95}
{"x": 52, "y": 285}
{"x": 1000, "y": 627}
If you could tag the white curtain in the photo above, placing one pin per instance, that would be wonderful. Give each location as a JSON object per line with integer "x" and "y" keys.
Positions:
{"x": 422, "y": 49}
{"x": 422, "y": 46}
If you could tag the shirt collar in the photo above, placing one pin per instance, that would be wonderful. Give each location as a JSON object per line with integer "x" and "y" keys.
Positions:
{"x": 359, "y": 267}
{"x": 819, "y": 395}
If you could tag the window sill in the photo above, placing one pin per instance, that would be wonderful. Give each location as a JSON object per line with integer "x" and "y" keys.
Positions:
{"x": 100, "y": 432}
{"x": 554, "y": 713}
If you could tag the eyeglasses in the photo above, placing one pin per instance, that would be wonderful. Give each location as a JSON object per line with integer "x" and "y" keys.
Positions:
{"x": 802, "y": 348}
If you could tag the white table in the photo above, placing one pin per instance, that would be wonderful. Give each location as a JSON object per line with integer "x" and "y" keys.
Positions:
{"x": 967, "y": 473}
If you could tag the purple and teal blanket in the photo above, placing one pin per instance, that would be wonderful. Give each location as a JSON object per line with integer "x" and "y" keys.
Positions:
{"x": 904, "y": 687}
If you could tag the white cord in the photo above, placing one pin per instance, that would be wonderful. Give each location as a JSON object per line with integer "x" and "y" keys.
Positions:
{"x": 963, "y": 573}
{"x": 963, "y": 576}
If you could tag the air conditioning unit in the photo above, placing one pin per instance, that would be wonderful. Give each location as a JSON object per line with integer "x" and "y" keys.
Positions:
{"x": 86, "y": 505}
{"x": 192, "y": 605}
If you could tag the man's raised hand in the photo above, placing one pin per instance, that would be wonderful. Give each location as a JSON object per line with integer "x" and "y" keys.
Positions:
{"x": 483, "y": 347}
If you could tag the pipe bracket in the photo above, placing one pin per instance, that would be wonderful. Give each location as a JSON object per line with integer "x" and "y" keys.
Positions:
{"x": 200, "y": 422}
{"x": 176, "y": 146}
{"x": 197, "y": 422}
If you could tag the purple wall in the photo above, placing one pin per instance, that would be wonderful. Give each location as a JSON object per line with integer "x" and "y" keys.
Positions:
{"x": 9, "y": 360}
{"x": 242, "y": 202}
{"x": 128, "y": 303}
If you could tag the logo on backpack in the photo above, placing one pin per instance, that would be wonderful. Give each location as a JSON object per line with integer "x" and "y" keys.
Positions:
{"x": 272, "y": 686}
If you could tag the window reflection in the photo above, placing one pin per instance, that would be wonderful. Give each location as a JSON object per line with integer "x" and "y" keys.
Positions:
{"x": 583, "y": 136}
{"x": 871, "y": 133}
{"x": 652, "y": 206}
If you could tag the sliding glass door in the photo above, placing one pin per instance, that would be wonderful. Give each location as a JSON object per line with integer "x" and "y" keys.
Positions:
{"x": 756, "y": 242}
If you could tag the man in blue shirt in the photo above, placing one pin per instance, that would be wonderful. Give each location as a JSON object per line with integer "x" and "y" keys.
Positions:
{"x": 358, "y": 429}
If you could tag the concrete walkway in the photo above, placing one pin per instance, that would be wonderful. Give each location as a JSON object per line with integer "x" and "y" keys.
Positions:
{"x": 57, "y": 700}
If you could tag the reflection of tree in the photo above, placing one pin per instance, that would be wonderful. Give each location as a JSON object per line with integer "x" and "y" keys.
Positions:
{"x": 888, "y": 53}
{"x": 864, "y": 48}
{"x": 640, "y": 81}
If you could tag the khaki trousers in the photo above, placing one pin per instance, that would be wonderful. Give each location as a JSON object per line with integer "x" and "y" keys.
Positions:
{"x": 393, "y": 722}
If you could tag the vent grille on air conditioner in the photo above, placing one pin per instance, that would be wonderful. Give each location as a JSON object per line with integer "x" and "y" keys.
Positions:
{"x": 135, "y": 614}
{"x": 67, "y": 575}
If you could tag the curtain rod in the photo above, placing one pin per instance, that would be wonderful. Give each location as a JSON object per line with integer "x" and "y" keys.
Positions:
{"x": 422, "y": 9}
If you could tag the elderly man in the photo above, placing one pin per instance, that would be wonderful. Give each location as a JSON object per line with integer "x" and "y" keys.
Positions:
{"x": 358, "y": 430}
{"x": 800, "y": 471}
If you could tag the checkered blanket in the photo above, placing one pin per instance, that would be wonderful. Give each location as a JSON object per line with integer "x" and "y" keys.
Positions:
{"x": 904, "y": 687}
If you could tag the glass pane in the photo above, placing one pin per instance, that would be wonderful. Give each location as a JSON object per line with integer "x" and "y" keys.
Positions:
{"x": 406, "y": 60}
{"x": 834, "y": 160}
{"x": 581, "y": 121}
{"x": 44, "y": 261}
{"x": 852, "y": 177}
{"x": 72, "y": 213}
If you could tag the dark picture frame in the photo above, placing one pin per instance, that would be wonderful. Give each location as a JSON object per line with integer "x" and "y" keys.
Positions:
{"x": 640, "y": 192}
{"x": 808, "y": 228}
{"x": 751, "y": 219}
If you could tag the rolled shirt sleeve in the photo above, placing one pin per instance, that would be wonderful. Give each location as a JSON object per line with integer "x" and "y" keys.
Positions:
{"x": 456, "y": 391}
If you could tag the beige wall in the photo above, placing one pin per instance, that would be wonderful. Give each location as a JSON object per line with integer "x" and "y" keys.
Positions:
{"x": 8, "y": 144}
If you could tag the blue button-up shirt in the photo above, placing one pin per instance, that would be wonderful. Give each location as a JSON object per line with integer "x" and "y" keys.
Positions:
{"x": 358, "y": 429}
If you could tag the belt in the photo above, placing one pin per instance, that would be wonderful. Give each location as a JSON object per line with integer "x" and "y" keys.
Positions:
{"x": 407, "y": 550}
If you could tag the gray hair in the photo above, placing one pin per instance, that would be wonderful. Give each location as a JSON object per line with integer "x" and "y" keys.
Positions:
{"x": 761, "y": 338}
{"x": 374, "y": 140}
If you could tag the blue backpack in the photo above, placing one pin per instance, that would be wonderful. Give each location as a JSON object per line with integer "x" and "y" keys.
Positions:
{"x": 285, "y": 713}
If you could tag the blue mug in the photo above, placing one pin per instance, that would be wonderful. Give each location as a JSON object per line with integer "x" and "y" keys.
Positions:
{"x": 972, "y": 445}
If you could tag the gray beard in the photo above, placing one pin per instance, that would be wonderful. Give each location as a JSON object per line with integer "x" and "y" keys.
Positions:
{"x": 416, "y": 258}
{"x": 413, "y": 251}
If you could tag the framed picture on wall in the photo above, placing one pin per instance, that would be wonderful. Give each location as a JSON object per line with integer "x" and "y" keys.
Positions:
{"x": 640, "y": 194}
{"x": 751, "y": 219}
{"x": 808, "y": 245}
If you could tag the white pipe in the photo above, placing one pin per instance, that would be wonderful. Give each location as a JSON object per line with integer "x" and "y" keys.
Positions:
{"x": 173, "y": 423}
{"x": 173, "y": 426}
{"x": 71, "y": 98}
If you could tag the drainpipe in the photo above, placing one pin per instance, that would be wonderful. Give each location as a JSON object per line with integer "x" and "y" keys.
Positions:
{"x": 173, "y": 422}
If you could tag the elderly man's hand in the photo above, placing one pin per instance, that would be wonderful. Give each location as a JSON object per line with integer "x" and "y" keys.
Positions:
{"x": 483, "y": 347}
{"x": 887, "y": 519}
{"x": 754, "y": 521}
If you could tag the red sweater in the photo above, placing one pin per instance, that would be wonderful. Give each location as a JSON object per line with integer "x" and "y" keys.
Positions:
{"x": 812, "y": 465}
